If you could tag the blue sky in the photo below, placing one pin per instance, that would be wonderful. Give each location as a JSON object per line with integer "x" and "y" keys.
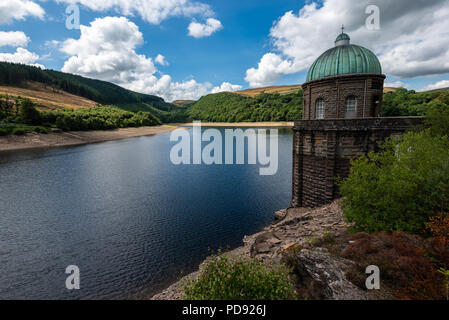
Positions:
{"x": 256, "y": 43}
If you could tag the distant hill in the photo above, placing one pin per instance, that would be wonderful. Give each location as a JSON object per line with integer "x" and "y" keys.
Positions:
{"x": 183, "y": 102}
{"x": 102, "y": 92}
{"x": 439, "y": 90}
{"x": 273, "y": 89}
{"x": 284, "y": 90}
{"x": 390, "y": 89}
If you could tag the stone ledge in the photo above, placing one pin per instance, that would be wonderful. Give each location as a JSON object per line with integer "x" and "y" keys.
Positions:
{"x": 359, "y": 124}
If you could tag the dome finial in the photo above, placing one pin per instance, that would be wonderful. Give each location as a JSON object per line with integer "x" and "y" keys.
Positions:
{"x": 343, "y": 38}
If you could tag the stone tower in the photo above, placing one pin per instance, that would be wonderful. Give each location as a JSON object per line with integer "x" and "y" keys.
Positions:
{"x": 344, "y": 82}
{"x": 341, "y": 120}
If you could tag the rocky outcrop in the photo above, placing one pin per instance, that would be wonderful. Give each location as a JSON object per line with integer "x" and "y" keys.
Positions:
{"x": 320, "y": 275}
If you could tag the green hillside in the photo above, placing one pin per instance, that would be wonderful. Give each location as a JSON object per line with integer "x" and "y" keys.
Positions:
{"x": 232, "y": 107}
{"x": 99, "y": 91}
{"x": 403, "y": 102}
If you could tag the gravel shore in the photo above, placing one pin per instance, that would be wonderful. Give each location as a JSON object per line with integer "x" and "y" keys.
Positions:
{"x": 72, "y": 138}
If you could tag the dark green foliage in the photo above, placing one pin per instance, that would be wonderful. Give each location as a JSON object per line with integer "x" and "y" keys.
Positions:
{"x": 225, "y": 278}
{"x": 405, "y": 102}
{"x": 19, "y": 131}
{"x": 15, "y": 128}
{"x": 232, "y": 107}
{"x": 41, "y": 130}
{"x": 29, "y": 113}
{"x": 102, "y": 118}
{"x": 7, "y": 107}
{"x": 437, "y": 117}
{"x": 399, "y": 188}
{"x": 176, "y": 114}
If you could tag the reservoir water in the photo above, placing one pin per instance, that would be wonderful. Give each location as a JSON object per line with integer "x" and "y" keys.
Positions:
{"x": 125, "y": 215}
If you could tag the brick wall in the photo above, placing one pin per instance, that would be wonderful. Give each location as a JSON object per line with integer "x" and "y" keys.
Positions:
{"x": 367, "y": 88}
{"x": 322, "y": 150}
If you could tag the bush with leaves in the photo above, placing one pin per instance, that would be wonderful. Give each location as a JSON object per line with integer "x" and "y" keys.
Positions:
{"x": 437, "y": 117}
{"x": 399, "y": 188}
{"x": 233, "y": 278}
{"x": 29, "y": 113}
{"x": 102, "y": 118}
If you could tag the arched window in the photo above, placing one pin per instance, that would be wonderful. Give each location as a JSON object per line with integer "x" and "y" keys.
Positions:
{"x": 350, "y": 107}
{"x": 319, "y": 108}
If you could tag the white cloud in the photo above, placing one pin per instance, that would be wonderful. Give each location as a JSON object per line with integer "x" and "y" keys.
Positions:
{"x": 270, "y": 68}
{"x": 199, "y": 30}
{"x": 411, "y": 42}
{"x": 160, "y": 59}
{"x": 226, "y": 87}
{"x": 396, "y": 84}
{"x": 152, "y": 11}
{"x": 106, "y": 51}
{"x": 13, "y": 39}
{"x": 19, "y": 9}
{"x": 22, "y": 56}
{"x": 437, "y": 85}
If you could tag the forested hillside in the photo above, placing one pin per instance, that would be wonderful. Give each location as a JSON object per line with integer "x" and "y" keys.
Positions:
{"x": 403, "y": 102}
{"x": 232, "y": 107}
{"x": 99, "y": 91}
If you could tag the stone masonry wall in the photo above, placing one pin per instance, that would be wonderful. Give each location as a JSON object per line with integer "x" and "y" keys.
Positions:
{"x": 366, "y": 88}
{"x": 322, "y": 150}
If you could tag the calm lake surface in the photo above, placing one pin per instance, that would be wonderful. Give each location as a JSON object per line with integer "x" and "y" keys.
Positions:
{"x": 125, "y": 215}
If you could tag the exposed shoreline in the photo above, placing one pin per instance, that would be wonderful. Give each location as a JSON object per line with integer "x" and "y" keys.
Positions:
{"x": 243, "y": 124}
{"x": 73, "y": 138}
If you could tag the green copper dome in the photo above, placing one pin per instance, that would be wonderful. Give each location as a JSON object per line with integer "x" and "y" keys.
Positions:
{"x": 343, "y": 36}
{"x": 344, "y": 58}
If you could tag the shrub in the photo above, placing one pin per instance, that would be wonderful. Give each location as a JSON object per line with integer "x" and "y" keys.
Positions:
{"x": 41, "y": 130}
{"x": 102, "y": 118}
{"x": 226, "y": 278}
{"x": 402, "y": 259}
{"x": 437, "y": 116}
{"x": 3, "y": 132}
{"x": 439, "y": 244}
{"x": 19, "y": 131}
{"x": 29, "y": 113}
{"x": 399, "y": 188}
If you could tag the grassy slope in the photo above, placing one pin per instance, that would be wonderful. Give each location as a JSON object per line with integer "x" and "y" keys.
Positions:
{"x": 103, "y": 92}
{"x": 272, "y": 89}
{"x": 46, "y": 97}
{"x": 282, "y": 90}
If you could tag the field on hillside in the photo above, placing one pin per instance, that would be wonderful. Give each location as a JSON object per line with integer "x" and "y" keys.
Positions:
{"x": 46, "y": 97}
{"x": 389, "y": 89}
{"x": 284, "y": 90}
{"x": 273, "y": 89}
